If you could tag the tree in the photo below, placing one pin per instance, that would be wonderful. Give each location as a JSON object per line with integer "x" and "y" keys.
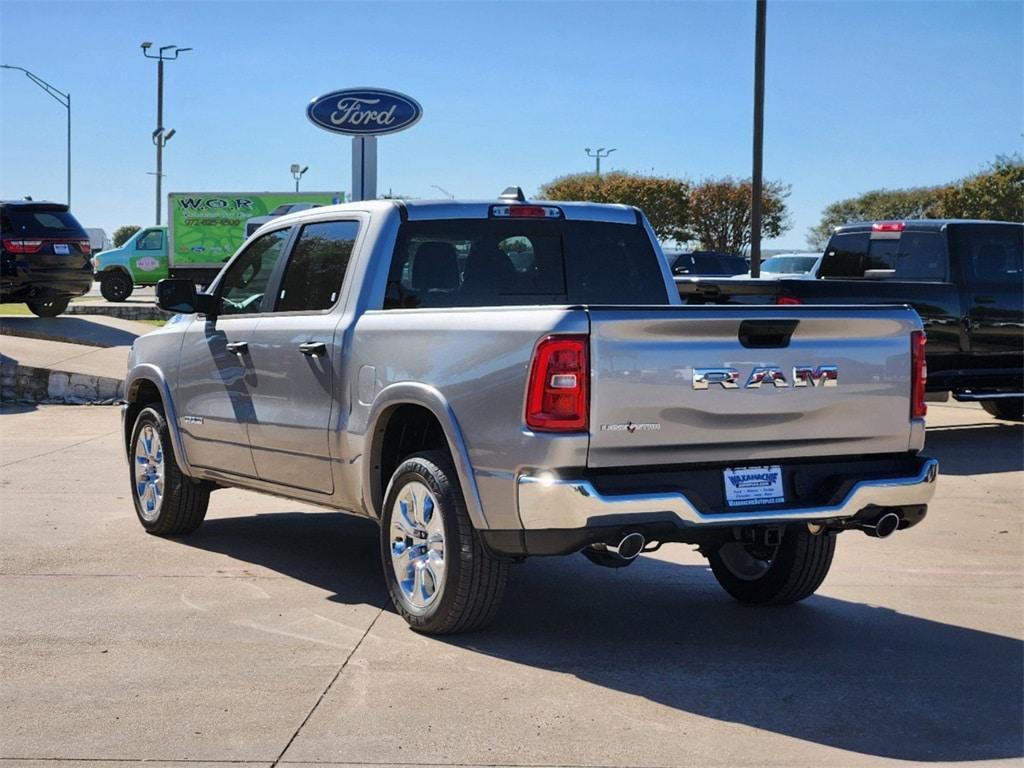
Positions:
{"x": 720, "y": 213}
{"x": 912, "y": 203}
{"x": 123, "y": 234}
{"x": 665, "y": 201}
{"x": 997, "y": 193}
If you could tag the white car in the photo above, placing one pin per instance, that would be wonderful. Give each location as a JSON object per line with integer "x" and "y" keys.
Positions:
{"x": 800, "y": 266}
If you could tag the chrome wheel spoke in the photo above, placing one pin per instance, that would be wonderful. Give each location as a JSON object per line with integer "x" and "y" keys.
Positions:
{"x": 417, "y": 545}
{"x": 149, "y": 473}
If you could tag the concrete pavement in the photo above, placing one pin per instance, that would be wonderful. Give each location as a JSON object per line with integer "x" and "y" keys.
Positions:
{"x": 265, "y": 637}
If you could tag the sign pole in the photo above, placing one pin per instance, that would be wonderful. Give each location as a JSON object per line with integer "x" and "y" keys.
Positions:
{"x": 364, "y": 168}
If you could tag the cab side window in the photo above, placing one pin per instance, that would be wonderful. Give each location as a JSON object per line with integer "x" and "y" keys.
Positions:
{"x": 316, "y": 268}
{"x": 245, "y": 282}
{"x": 153, "y": 240}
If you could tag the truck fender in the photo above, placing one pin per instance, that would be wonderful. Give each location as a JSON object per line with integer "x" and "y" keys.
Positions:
{"x": 148, "y": 372}
{"x": 116, "y": 268}
{"x": 413, "y": 393}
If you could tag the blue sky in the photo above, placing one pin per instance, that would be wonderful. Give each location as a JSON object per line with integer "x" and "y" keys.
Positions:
{"x": 859, "y": 95}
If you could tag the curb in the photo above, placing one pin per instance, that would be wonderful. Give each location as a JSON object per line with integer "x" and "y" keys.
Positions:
{"x": 25, "y": 384}
{"x": 137, "y": 312}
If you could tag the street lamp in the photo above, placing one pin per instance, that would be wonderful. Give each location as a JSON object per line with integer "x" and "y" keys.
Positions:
{"x": 756, "y": 182}
{"x": 297, "y": 171}
{"x": 597, "y": 156}
{"x": 160, "y": 136}
{"x": 64, "y": 99}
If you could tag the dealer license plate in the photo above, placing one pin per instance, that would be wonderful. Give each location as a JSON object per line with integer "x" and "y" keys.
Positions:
{"x": 753, "y": 485}
{"x": 61, "y": 249}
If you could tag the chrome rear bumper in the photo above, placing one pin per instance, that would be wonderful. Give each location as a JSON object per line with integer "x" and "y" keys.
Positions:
{"x": 547, "y": 502}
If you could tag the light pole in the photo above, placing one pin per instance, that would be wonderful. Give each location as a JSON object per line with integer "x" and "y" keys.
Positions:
{"x": 297, "y": 171}
{"x": 161, "y": 137}
{"x": 443, "y": 191}
{"x": 597, "y": 156}
{"x": 756, "y": 182}
{"x": 64, "y": 99}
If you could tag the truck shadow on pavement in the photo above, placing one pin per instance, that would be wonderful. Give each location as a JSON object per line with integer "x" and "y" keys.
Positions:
{"x": 74, "y": 330}
{"x": 976, "y": 449}
{"x": 858, "y": 677}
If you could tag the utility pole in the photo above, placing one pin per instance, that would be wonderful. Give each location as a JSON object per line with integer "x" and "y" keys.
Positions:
{"x": 597, "y": 157}
{"x": 64, "y": 99}
{"x": 757, "y": 182}
{"x": 161, "y": 137}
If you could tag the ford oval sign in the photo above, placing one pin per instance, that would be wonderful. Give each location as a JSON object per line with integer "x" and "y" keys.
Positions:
{"x": 364, "y": 111}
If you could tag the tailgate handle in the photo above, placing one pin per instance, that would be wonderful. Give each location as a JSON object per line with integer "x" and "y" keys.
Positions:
{"x": 766, "y": 334}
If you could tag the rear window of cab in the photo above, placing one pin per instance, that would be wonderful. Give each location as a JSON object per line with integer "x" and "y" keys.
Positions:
{"x": 914, "y": 255}
{"x": 496, "y": 262}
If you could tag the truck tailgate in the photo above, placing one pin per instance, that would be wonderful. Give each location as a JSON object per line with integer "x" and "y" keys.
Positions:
{"x": 646, "y": 407}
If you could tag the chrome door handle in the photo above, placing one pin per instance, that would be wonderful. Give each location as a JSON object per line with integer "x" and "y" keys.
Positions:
{"x": 313, "y": 348}
{"x": 238, "y": 347}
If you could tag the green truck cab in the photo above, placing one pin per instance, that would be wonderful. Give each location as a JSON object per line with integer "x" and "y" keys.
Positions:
{"x": 140, "y": 261}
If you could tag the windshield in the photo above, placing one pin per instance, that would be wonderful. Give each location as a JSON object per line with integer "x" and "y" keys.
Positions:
{"x": 788, "y": 264}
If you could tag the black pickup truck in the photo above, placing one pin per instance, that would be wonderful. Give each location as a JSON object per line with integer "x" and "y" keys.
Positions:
{"x": 964, "y": 278}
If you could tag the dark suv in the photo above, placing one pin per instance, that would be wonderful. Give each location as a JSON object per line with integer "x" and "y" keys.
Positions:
{"x": 45, "y": 257}
{"x": 707, "y": 263}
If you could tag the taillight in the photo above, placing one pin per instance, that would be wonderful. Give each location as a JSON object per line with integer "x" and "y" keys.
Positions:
{"x": 23, "y": 246}
{"x": 919, "y": 375}
{"x": 888, "y": 226}
{"x": 85, "y": 247}
{"x": 787, "y": 301}
{"x": 556, "y": 395}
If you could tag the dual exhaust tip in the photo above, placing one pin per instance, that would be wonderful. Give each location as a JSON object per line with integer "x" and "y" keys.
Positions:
{"x": 883, "y": 527}
{"x": 632, "y": 544}
{"x": 630, "y": 547}
{"x": 617, "y": 555}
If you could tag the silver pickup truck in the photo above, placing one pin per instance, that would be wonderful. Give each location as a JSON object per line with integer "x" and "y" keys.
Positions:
{"x": 493, "y": 380}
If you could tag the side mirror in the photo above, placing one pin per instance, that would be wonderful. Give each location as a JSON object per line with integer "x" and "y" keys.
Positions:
{"x": 177, "y": 294}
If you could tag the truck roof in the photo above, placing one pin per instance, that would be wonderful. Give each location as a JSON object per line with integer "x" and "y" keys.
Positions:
{"x": 425, "y": 210}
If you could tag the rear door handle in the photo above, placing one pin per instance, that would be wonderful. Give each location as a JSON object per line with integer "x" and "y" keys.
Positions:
{"x": 313, "y": 348}
{"x": 238, "y": 347}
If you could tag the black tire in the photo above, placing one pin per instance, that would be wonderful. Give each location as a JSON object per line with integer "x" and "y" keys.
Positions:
{"x": 473, "y": 581}
{"x": 49, "y": 307}
{"x": 791, "y": 571}
{"x": 1009, "y": 408}
{"x": 181, "y": 506}
{"x": 116, "y": 286}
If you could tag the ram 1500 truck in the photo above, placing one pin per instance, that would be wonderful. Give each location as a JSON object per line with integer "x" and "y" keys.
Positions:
{"x": 965, "y": 279}
{"x": 500, "y": 379}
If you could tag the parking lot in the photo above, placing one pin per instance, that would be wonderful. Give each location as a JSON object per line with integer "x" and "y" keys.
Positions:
{"x": 266, "y": 637}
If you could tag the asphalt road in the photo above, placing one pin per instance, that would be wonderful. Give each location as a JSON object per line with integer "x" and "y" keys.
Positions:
{"x": 266, "y": 637}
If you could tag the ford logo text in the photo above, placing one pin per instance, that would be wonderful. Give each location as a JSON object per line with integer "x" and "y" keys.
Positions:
{"x": 803, "y": 376}
{"x": 364, "y": 111}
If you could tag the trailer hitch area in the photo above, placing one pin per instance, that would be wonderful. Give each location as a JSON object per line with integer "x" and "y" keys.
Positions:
{"x": 761, "y": 535}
